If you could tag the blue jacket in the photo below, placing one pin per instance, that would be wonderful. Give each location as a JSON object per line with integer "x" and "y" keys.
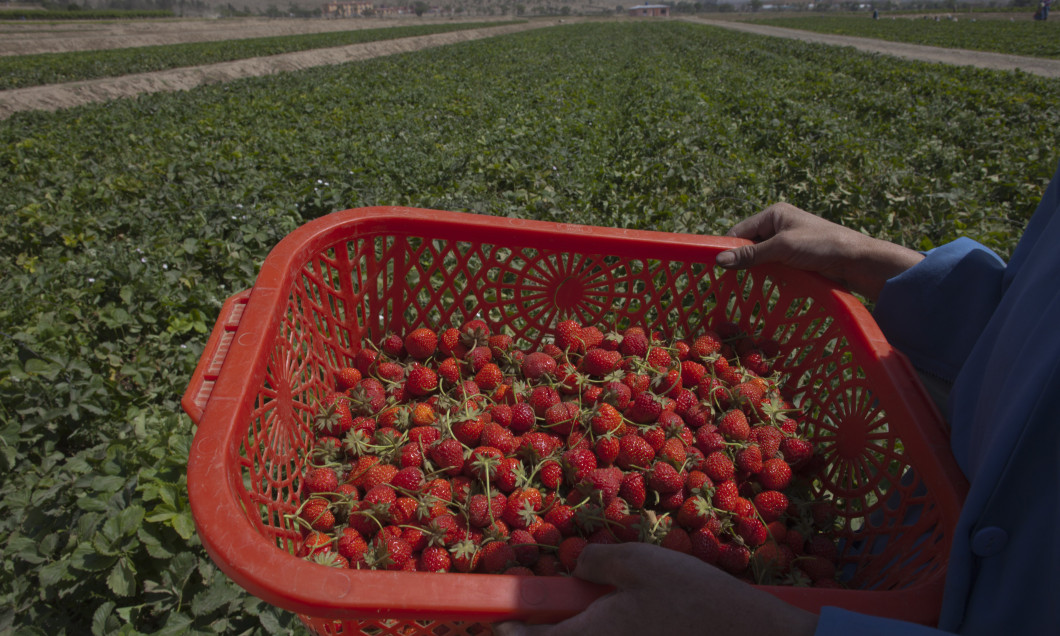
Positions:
{"x": 962, "y": 314}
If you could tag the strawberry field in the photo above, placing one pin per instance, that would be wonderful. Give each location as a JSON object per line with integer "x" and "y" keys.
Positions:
{"x": 124, "y": 226}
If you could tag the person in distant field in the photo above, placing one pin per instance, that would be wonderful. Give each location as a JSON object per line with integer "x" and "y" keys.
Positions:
{"x": 1045, "y": 9}
{"x": 987, "y": 332}
{"x": 875, "y": 14}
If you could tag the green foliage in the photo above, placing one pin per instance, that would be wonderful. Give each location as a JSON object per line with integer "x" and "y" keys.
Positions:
{"x": 126, "y": 225}
{"x": 50, "y": 68}
{"x": 1015, "y": 37}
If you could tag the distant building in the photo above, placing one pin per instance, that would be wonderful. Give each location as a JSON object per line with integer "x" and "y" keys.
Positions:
{"x": 346, "y": 9}
{"x": 649, "y": 10}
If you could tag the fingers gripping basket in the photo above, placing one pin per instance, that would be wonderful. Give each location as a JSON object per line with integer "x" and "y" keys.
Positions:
{"x": 358, "y": 274}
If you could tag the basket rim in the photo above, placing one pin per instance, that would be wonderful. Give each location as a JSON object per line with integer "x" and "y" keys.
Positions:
{"x": 257, "y": 564}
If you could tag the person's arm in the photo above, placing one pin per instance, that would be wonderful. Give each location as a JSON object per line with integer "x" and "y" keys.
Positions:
{"x": 790, "y": 236}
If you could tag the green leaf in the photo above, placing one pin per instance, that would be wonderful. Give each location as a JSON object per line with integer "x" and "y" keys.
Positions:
{"x": 122, "y": 578}
{"x": 103, "y": 620}
{"x": 130, "y": 519}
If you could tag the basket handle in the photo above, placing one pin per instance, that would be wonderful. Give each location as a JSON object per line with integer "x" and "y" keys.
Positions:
{"x": 197, "y": 395}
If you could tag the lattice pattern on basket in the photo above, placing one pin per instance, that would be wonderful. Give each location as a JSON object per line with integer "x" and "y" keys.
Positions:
{"x": 371, "y": 285}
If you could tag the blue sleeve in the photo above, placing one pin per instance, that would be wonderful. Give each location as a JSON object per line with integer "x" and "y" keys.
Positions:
{"x": 935, "y": 311}
{"x": 834, "y": 621}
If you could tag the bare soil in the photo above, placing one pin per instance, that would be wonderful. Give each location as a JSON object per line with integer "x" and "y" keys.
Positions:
{"x": 25, "y": 38}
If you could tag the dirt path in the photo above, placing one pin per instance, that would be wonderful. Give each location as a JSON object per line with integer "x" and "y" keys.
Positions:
{"x": 114, "y": 35}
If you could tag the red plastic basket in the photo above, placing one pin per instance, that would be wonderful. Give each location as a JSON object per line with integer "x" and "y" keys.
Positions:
{"x": 361, "y": 273}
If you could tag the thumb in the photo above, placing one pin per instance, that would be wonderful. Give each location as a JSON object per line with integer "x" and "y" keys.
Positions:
{"x": 740, "y": 257}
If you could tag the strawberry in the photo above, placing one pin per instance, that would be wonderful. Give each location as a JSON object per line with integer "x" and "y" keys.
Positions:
{"x": 579, "y": 462}
{"x": 496, "y": 557}
{"x": 719, "y": 467}
{"x": 421, "y": 343}
{"x": 538, "y": 364}
{"x": 352, "y": 546}
{"x": 551, "y": 473}
{"x": 644, "y": 409}
{"x": 450, "y": 344}
{"x": 495, "y": 435}
{"x": 734, "y": 558}
{"x": 450, "y": 371}
{"x": 421, "y": 380}
{"x": 634, "y": 343}
{"x": 733, "y": 425}
{"x": 478, "y": 358}
{"x": 542, "y": 398}
{"x": 664, "y": 478}
{"x": 616, "y": 393}
{"x": 315, "y": 543}
{"x": 489, "y": 377}
{"x": 523, "y": 417}
{"x": 569, "y": 338}
{"x": 606, "y": 449}
{"x": 320, "y": 480}
{"x": 347, "y": 378}
{"x": 569, "y": 551}
{"x": 316, "y": 512}
{"x": 633, "y": 452}
{"x": 606, "y": 419}
{"x": 448, "y": 455}
{"x": 434, "y": 559}
{"x": 749, "y": 459}
{"x": 770, "y": 504}
{"x": 706, "y": 345}
{"x": 599, "y": 363}
{"x": 796, "y": 450}
{"x": 775, "y": 474}
{"x": 465, "y": 556}
{"x": 692, "y": 373}
{"x": 561, "y": 417}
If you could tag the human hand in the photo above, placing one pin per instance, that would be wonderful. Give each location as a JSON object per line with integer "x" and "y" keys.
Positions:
{"x": 661, "y": 591}
{"x": 789, "y": 236}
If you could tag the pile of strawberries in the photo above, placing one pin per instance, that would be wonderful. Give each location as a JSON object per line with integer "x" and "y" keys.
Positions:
{"x": 458, "y": 451}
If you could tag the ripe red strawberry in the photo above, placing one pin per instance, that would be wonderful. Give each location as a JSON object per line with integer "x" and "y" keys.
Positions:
{"x": 497, "y": 436}
{"x": 605, "y": 481}
{"x": 768, "y": 438}
{"x": 606, "y": 449}
{"x": 551, "y": 473}
{"x": 450, "y": 344}
{"x": 726, "y": 495}
{"x": 733, "y": 425}
{"x": 719, "y": 467}
{"x": 771, "y": 504}
{"x": 579, "y": 462}
{"x": 351, "y": 545}
{"x": 664, "y": 478}
{"x": 543, "y": 397}
{"x": 694, "y": 513}
{"x": 448, "y": 456}
{"x": 705, "y": 545}
{"x": 752, "y": 531}
{"x": 538, "y": 364}
{"x": 617, "y": 394}
{"x": 523, "y": 417}
{"x": 569, "y": 551}
{"x": 606, "y": 419}
{"x": 569, "y": 337}
{"x": 500, "y": 344}
{"x": 644, "y": 409}
{"x": 421, "y": 380}
{"x": 434, "y": 559}
{"x": 599, "y": 362}
{"x": 561, "y": 417}
{"x": 320, "y": 480}
{"x": 734, "y": 558}
{"x": 709, "y": 440}
{"x": 708, "y": 344}
{"x": 692, "y": 373}
{"x": 478, "y": 358}
{"x": 317, "y": 513}
{"x": 520, "y": 510}
{"x": 497, "y": 556}
{"x": 421, "y": 343}
{"x": 795, "y": 450}
{"x": 749, "y": 459}
{"x": 469, "y": 430}
{"x": 634, "y": 451}
{"x": 775, "y": 474}
{"x": 315, "y": 543}
{"x": 634, "y": 342}
{"x": 346, "y": 378}
{"x": 661, "y": 360}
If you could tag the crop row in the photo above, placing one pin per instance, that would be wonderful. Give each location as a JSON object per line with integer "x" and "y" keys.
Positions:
{"x": 1010, "y": 36}
{"x": 50, "y": 68}
{"x": 125, "y": 225}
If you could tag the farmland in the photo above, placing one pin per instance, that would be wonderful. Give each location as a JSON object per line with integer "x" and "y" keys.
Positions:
{"x": 125, "y": 225}
{"x": 1012, "y": 36}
